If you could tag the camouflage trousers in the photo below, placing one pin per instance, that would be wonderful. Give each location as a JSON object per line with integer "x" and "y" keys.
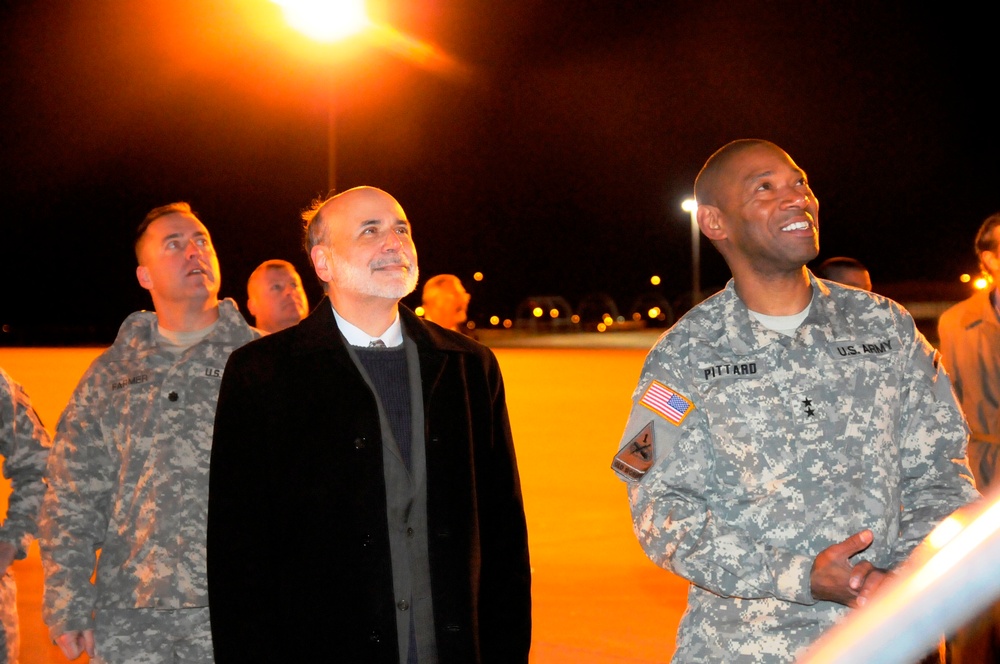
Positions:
{"x": 10, "y": 641}
{"x": 153, "y": 636}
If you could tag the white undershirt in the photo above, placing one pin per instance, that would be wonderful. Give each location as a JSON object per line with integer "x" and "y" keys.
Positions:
{"x": 785, "y": 325}
{"x": 178, "y": 342}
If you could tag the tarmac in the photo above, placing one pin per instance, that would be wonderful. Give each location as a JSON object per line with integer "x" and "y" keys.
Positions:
{"x": 596, "y": 598}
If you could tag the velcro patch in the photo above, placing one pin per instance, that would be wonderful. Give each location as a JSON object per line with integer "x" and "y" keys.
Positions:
{"x": 633, "y": 460}
{"x": 666, "y": 403}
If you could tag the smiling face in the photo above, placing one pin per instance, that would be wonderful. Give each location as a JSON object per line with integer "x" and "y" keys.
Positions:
{"x": 764, "y": 217}
{"x": 177, "y": 262}
{"x": 366, "y": 251}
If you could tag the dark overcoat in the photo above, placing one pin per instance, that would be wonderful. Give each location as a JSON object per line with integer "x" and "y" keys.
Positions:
{"x": 298, "y": 548}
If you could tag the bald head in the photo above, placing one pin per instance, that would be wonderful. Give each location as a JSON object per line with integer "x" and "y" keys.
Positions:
{"x": 445, "y": 301}
{"x": 360, "y": 245}
{"x": 709, "y": 184}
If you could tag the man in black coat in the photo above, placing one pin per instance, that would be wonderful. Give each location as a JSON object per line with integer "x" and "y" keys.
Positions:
{"x": 364, "y": 501}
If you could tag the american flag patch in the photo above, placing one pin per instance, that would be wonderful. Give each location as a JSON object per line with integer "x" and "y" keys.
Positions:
{"x": 665, "y": 402}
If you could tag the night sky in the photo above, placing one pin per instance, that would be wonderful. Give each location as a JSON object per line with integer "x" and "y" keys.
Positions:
{"x": 548, "y": 143}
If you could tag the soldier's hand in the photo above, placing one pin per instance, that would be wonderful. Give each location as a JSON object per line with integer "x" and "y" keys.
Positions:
{"x": 75, "y": 643}
{"x": 7, "y": 553}
{"x": 833, "y": 577}
{"x": 872, "y": 579}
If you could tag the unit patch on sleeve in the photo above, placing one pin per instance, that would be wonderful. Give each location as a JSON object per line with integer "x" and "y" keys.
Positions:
{"x": 633, "y": 460}
{"x": 663, "y": 401}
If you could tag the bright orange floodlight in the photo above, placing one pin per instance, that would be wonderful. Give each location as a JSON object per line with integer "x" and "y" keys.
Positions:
{"x": 323, "y": 20}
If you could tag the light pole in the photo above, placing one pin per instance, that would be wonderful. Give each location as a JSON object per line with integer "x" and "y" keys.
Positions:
{"x": 327, "y": 22}
{"x": 691, "y": 207}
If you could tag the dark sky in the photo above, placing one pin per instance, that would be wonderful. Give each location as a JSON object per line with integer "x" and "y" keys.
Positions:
{"x": 553, "y": 156}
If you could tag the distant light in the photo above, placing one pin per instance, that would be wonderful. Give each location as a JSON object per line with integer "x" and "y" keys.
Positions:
{"x": 654, "y": 312}
{"x": 325, "y": 21}
{"x": 637, "y": 317}
{"x": 575, "y": 318}
{"x": 537, "y": 312}
{"x": 478, "y": 276}
{"x": 419, "y": 311}
{"x": 608, "y": 320}
{"x": 471, "y": 325}
{"x": 965, "y": 278}
{"x": 507, "y": 323}
{"x": 689, "y": 205}
{"x": 554, "y": 313}
{"x": 494, "y": 320}
{"x": 981, "y": 283}
{"x": 620, "y": 319}
{"x": 601, "y": 327}
{"x": 655, "y": 280}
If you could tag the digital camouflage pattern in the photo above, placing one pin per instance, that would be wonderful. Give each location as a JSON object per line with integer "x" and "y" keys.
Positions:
{"x": 128, "y": 475}
{"x": 24, "y": 445}
{"x": 793, "y": 444}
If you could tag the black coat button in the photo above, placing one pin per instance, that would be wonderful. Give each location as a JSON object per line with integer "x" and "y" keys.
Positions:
{"x": 172, "y": 396}
{"x": 375, "y": 636}
{"x": 359, "y": 443}
{"x": 403, "y": 605}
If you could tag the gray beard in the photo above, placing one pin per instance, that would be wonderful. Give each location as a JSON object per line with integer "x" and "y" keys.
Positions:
{"x": 359, "y": 280}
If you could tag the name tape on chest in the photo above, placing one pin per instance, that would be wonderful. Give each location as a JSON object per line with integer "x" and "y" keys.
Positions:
{"x": 849, "y": 349}
{"x": 668, "y": 404}
{"x": 633, "y": 460}
{"x": 733, "y": 370}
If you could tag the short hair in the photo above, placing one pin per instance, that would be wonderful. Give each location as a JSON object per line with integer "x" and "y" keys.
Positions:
{"x": 831, "y": 266}
{"x": 440, "y": 282}
{"x": 984, "y": 238}
{"x": 273, "y": 263}
{"x": 706, "y": 184}
{"x": 313, "y": 229}
{"x": 173, "y": 208}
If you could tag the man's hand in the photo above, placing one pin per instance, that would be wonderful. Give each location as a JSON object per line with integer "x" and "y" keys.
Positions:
{"x": 75, "y": 643}
{"x": 833, "y": 577}
{"x": 7, "y": 553}
{"x": 867, "y": 579}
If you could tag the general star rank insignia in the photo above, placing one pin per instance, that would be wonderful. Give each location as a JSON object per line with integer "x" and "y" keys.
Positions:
{"x": 633, "y": 460}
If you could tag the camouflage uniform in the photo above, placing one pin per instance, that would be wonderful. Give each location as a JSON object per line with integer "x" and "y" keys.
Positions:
{"x": 129, "y": 474}
{"x": 24, "y": 445}
{"x": 783, "y": 446}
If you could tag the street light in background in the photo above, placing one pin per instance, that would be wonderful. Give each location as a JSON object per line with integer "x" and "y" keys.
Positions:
{"x": 327, "y": 22}
{"x": 691, "y": 207}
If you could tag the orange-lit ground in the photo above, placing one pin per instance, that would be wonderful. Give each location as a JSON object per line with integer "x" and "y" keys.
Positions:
{"x": 596, "y": 597}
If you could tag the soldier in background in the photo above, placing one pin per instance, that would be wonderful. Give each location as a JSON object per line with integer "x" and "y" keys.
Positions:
{"x": 275, "y": 297}
{"x": 445, "y": 301}
{"x": 845, "y": 270}
{"x": 791, "y": 440}
{"x": 24, "y": 445}
{"x": 128, "y": 473}
{"x": 969, "y": 334}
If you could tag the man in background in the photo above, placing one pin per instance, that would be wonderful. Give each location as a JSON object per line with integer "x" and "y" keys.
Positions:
{"x": 844, "y": 270}
{"x": 275, "y": 297}
{"x": 969, "y": 334}
{"x": 445, "y": 301}
{"x": 128, "y": 473}
{"x": 24, "y": 445}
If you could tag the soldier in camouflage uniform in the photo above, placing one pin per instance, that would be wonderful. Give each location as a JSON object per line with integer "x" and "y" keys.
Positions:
{"x": 24, "y": 445}
{"x": 791, "y": 440}
{"x": 128, "y": 472}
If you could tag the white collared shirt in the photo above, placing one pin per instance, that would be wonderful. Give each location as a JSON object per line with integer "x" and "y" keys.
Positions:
{"x": 392, "y": 337}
